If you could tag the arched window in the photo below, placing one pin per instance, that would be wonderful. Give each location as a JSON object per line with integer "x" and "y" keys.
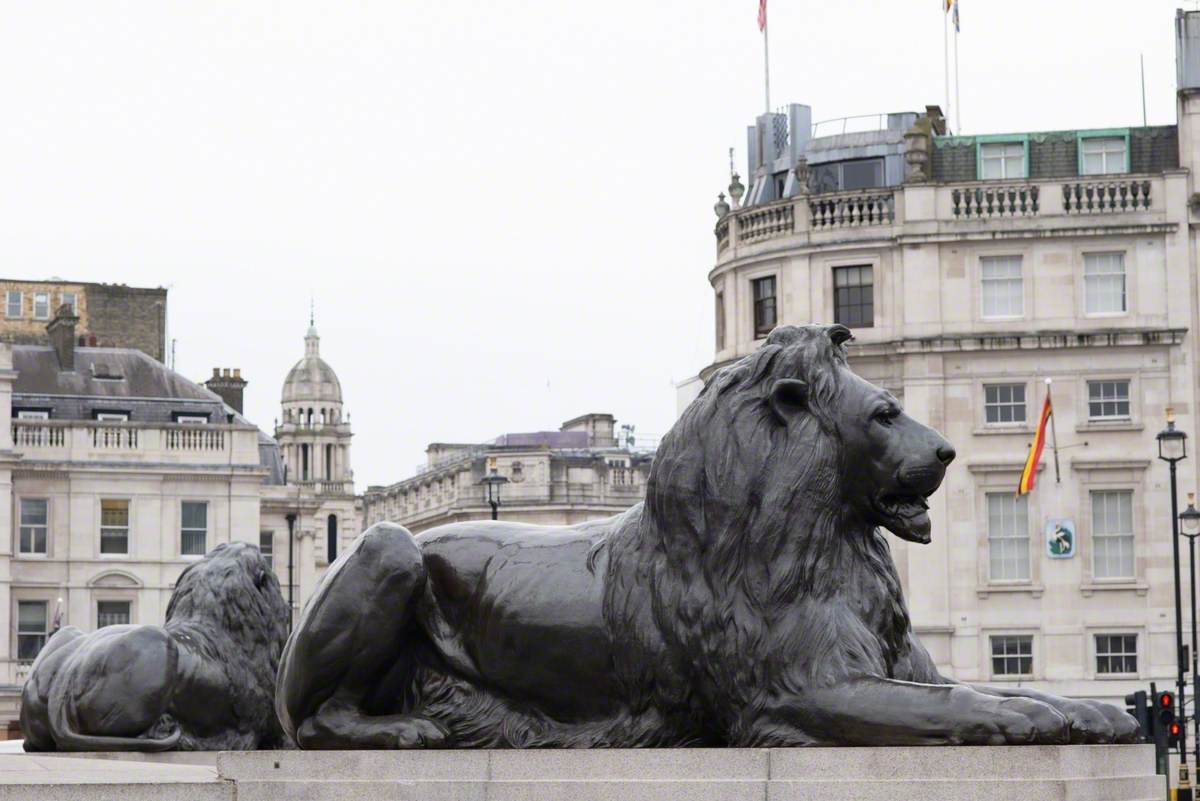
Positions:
{"x": 310, "y": 417}
{"x": 328, "y": 462}
{"x": 331, "y": 539}
{"x": 304, "y": 462}
{"x": 323, "y": 420}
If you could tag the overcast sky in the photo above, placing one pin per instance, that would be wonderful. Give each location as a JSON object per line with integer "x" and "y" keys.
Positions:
{"x": 502, "y": 209}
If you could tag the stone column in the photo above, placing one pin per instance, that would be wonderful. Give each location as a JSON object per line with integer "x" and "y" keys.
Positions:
{"x": 308, "y": 565}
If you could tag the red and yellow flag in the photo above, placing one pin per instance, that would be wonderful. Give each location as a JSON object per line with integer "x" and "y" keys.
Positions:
{"x": 1029, "y": 474}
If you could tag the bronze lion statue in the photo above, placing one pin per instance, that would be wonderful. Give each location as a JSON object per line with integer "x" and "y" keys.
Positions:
{"x": 204, "y": 681}
{"x": 751, "y": 600}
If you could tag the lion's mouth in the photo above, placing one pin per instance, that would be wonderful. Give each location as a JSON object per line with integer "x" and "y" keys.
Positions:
{"x": 906, "y": 516}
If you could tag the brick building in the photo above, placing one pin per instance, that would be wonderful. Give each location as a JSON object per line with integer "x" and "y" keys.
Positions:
{"x": 110, "y": 315}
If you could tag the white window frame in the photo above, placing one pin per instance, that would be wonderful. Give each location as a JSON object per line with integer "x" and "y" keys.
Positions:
{"x": 38, "y": 298}
{"x": 267, "y": 537}
{"x": 73, "y": 301}
{"x": 1115, "y": 399}
{"x": 1094, "y": 652}
{"x": 1112, "y": 161}
{"x": 44, "y": 634}
{"x": 191, "y": 419}
{"x": 999, "y": 282}
{"x": 128, "y": 611}
{"x": 1013, "y": 546}
{"x": 1112, "y": 536}
{"x": 999, "y": 404}
{"x": 8, "y": 304}
{"x": 33, "y": 414}
{"x": 112, "y": 417}
{"x": 991, "y": 655}
{"x": 185, "y": 529}
{"x": 128, "y": 527}
{"x": 22, "y": 525}
{"x": 1093, "y": 275}
{"x": 1004, "y": 153}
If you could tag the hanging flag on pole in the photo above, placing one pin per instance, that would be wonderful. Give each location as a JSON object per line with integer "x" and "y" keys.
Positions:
{"x": 1029, "y": 473}
{"x": 954, "y": 16}
{"x": 762, "y": 15}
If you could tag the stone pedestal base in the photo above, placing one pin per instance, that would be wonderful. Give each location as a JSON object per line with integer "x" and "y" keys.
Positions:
{"x": 1050, "y": 773}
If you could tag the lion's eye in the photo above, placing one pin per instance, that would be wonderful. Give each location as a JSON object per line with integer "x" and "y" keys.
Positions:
{"x": 886, "y": 415}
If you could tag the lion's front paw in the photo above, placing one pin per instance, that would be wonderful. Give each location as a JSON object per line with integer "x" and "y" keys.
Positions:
{"x": 1089, "y": 723}
{"x": 1024, "y": 721}
{"x": 1124, "y": 726}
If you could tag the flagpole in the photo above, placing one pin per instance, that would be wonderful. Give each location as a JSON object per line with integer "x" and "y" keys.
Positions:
{"x": 946, "y": 52}
{"x": 766, "y": 66}
{"x": 1053, "y": 435}
{"x": 957, "y": 104}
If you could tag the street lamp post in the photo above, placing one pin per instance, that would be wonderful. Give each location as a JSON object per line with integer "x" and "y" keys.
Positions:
{"x": 1172, "y": 449}
{"x": 492, "y": 483}
{"x": 1189, "y": 526}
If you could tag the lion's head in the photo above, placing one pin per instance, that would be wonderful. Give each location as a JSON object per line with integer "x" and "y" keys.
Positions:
{"x": 789, "y": 438}
{"x": 231, "y": 600}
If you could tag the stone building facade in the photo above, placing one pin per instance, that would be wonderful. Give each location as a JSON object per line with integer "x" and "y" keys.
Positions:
{"x": 976, "y": 272}
{"x": 554, "y": 478}
{"x": 116, "y": 473}
{"x": 110, "y": 315}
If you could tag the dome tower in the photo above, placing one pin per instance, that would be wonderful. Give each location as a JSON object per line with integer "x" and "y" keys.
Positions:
{"x": 314, "y": 434}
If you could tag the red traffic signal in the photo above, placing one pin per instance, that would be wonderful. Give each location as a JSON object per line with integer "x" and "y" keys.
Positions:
{"x": 1174, "y": 729}
{"x": 1166, "y": 700}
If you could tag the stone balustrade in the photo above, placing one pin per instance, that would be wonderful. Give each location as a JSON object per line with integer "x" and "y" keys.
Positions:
{"x": 852, "y": 210}
{"x": 1101, "y": 197}
{"x": 75, "y": 440}
{"x": 1014, "y": 200}
{"x": 766, "y": 222}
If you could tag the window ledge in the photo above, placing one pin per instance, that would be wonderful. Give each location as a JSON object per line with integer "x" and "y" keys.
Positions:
{"x": 1116, "y": 425}
{"x": 989, "y": 430}
{"x": 1114, "y": 677}
{"x": 1013, "y": 679}
{"x": 31, "y": 556}
{"x": 1034, "y": 590}
{"x": 1087, "y": 588}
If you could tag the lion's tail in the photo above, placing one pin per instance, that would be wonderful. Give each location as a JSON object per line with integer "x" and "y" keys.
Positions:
{"x": 67, "y": 739}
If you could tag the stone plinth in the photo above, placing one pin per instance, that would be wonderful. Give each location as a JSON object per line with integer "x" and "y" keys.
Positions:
{"x": 1049, "y": 773}
{"x": 1052, "y": 773}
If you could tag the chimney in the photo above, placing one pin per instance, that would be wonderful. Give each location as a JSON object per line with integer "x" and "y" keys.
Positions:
{"x": 62, "y": 336}
{"x": 230, "y": 385}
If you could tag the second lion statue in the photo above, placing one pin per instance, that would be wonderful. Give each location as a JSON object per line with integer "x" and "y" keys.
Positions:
{"x": 751, "y": 600}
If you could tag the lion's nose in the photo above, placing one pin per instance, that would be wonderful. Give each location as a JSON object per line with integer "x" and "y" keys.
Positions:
{"x": 945, "y": 453}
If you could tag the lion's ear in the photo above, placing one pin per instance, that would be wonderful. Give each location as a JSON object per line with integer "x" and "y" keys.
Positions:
{"x": 788, "y": 396}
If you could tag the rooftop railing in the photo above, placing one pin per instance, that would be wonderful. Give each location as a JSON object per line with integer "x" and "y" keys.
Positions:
{"x": 83, "y": 440}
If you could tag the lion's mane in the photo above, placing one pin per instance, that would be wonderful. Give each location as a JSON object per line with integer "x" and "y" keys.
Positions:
{"x": 231, "y": 606}
{"x": 743, "y": 547}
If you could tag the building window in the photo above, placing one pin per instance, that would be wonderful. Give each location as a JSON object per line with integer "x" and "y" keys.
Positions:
{"x": 69, "y": 299}
{"x": 854, "y": 296}
{"x": 764, "y": 306}
{"x": 41, "y": 305}
{"x": 1004, "y": 403}
{"x": 112, "y": 613}
{"x": 12, "y": 307}
{"x": 1012, "y": 655}
{"x": 844, "y": 175}
{"x": 31, "y": 629}
{"x": 720, "y": 321}
{"x": 331, "y": 538}
{"x": 1008, "y": 537}
{"x": 112, "y": 417}
{"x": 1108, "y": 400}
{"x": 1116, "y": 653}
{"x": 1001, "y": 160}
{"x": 191, "y": 419}
{"x": 35, "y": 514}
{"x": 33, "y": 414}
{"x": 114, "y": 526}
{"x": 266, "y": 544}
{"x": 1112, "y": 534}
{"x": 1001, "y": 286}
{"x": 328, "y": 460}
{"x": 1103, "y": 155}
{"x": 1104, "y": 283}
{"x": 193, "y": 528}
{"x": 304, "y": 462}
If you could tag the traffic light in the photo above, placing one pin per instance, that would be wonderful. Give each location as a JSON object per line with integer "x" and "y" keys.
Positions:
{"x": 1138, "y": 707}
{"x": 1164, "y": 705}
